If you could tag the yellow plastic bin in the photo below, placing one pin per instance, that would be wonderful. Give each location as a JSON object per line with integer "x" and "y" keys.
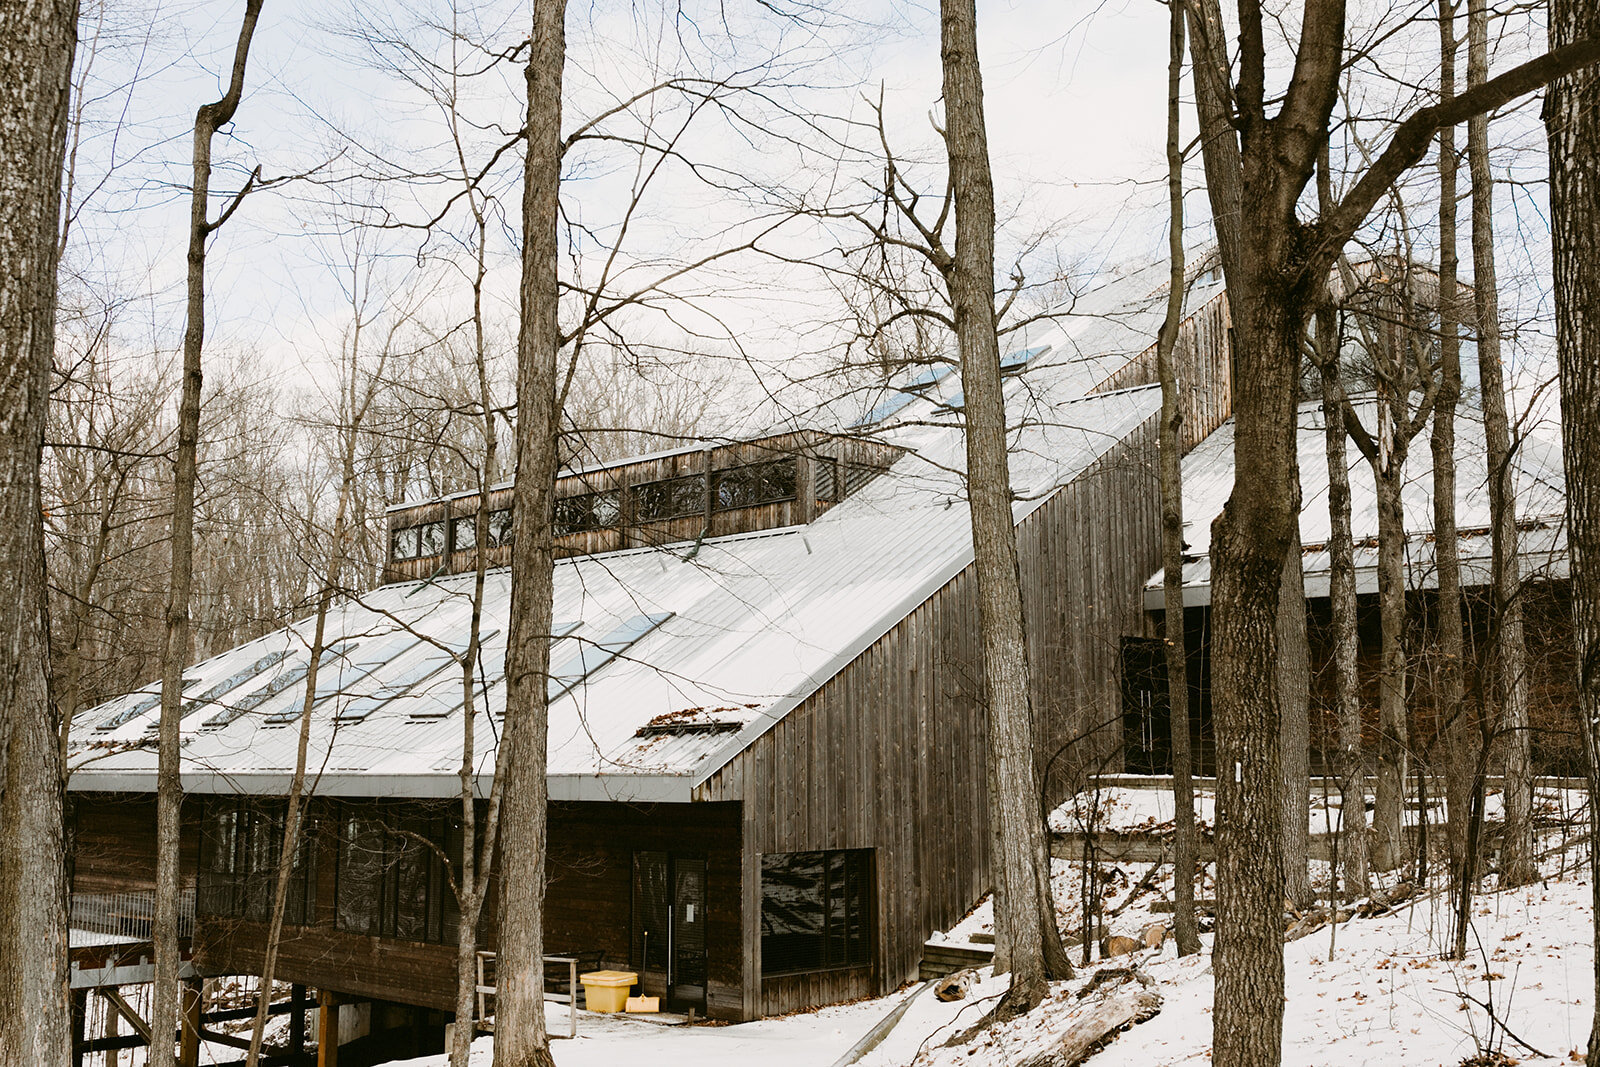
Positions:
{"x": 607, "y": 991}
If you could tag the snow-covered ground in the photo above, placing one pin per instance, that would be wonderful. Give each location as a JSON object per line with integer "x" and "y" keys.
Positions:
{"x": 811, "y": 1039}
{"x": 1371, "y": 991}
{"x": 1377, "y": 995}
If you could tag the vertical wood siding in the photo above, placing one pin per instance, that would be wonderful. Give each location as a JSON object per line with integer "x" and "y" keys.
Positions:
{"x": 1204, "y": 357}
{"x": 889, "y": 753}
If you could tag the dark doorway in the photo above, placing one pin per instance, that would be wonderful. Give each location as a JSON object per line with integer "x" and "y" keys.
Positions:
{"x": 669, "y": 928}
{"x": 1146, "y": 713}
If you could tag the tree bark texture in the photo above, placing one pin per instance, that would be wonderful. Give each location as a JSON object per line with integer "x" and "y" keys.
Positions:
{"x": 1185, "y": 854}
{"x": 1572, "y": 122}
{"x": 1509, "y": 656}
{"x": 1352, "y": 767}
{"x": 1388, "y": 813}
{"x": 520, "y": 1036}
{"x": 1294, "y": 697}
{"x": 175, "y": 646}
{"x": 1351, "y": 763}
{"x": 1451, "y": 718}
{"x": 1024, "y": 912}
{"x": 472, "y": 883}
{"x": 36, "y": 44}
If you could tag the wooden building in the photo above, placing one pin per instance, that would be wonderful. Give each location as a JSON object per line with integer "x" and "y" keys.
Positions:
{"x": 1539, "y": 489}
{"x": 766, "y": 746}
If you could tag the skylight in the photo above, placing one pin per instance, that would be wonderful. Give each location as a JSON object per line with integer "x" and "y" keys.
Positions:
{"x": 931, "y": 376}
{"x": 274, "y": 685}
{"x": 238, "y": 678}
{"x": 888, "y": 406}
{"x": 440, "y": 699}
{"x": 137, "y": 704}
{"x": 434, "y": 659}
{"x": 591, "y": 656}
{"x": 332, "y": 670}
{"x": 1019, "y": 359}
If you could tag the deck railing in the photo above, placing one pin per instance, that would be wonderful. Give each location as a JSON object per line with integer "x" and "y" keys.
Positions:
{"x": 128, "y": 914}
{"x": 486, "y": 989}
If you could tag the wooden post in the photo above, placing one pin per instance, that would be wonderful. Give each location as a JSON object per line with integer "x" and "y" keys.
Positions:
{"x": 327, "y": 1029}
{"x": 80, "y": 1009}
{"x": 297, "y": 1019}
{"x": 113, "y": 1019}
{"x": 192, "y": 1000}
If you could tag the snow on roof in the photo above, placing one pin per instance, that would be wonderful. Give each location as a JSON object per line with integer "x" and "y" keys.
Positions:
{"x": 731, "y": 634}
{"x": 1539, "y": 483}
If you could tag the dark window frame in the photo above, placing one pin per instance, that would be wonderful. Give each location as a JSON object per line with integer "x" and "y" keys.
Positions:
{"x": 667, "y": 499}
{"x": 842, "y": 941}
{"x": 464, "y": 528}
{"x": 372, "y": 901}
{"x": 420, "y": 530}
{"x": 500, "y": 528}
{"x": 600, "y": 509}
{"x": 241, "y": 841}
{"x": 726, "y": 484}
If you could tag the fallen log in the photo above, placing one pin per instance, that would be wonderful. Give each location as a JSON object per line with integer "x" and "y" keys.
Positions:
{"x": 1088, "y": 1034}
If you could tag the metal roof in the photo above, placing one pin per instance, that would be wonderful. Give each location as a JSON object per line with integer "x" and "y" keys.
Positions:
{"x": 757, "y": 623}
{"x": 1538, "y": 479}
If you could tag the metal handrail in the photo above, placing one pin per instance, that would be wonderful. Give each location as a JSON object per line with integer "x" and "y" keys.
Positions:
{"x": 485, "y": 989}
{"x": 130, "y": 913}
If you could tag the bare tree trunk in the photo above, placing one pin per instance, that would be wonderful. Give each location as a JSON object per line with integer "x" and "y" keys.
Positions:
{"x": 1185, "y": 858}
{"x": 1277, "y": 267}
{"x": 1250, "y": 541}
{"x": 36, "y": 44}
{"x": 1510, "y": 657}
{"x": 476, "y": 859}
{"x": 1342, "y": 606}
{"x": 1024, "y": 913}
{"x": 1449, "y": 710}
{"x": 520, "y": 1036}
{"x": 358, "y": 402}
{"x": 1294, "y": 697}
{"x": 175, "y": 647}
{"x": 1388, "y": 815}
{"x": 1572, "y": 121}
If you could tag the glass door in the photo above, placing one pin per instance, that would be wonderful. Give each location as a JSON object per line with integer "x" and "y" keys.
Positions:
{"x": 688, "y": 977}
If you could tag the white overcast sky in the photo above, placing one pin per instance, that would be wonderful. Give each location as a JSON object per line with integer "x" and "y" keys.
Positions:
{"x": 1075, "y": 103}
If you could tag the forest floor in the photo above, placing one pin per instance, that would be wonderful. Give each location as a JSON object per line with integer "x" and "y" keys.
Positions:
{"x": 1372, "y": 990}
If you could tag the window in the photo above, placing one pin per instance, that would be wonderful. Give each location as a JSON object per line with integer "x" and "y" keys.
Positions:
{"x": 415, "y": 542}
{"x": 133, "y": 706}
{"x": 591, "y": 656}
{"x": 392, "y": 882}
{"x": 1016, "y": 361}
{"x": 815, "y": 911}
{"x": 891, "y": 404}
{"x": 240, "y": 844}
{"x": 670, "y": 499}
{"x": 500, "y": 528}
{"x": 464, "y": 530}
{"x": 587, "y": 511}
{"x": 432, "y": 539}
{"x": 754, "y": 484}
{"x": 403, "y": 543}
